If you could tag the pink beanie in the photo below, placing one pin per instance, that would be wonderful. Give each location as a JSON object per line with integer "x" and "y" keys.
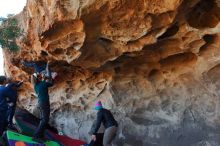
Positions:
{"x": 98, "y": 105}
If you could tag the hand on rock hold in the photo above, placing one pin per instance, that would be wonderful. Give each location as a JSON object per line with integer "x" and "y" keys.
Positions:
{"x": 93, "y": 137}
{"x": 22, "y": 62}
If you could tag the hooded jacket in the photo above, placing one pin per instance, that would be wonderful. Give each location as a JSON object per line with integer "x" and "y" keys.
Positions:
{"x": 106, "y": 118}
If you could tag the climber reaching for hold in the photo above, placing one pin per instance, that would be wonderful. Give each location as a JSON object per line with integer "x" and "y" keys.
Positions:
{"x": 41, "y": 83}
{"x": 106, "y": 118}
{"x": 13, "y": 91}
{"x": 39, "y": 67}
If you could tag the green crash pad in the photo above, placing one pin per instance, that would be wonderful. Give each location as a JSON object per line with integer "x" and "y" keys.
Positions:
{"x": 14, "y": 138}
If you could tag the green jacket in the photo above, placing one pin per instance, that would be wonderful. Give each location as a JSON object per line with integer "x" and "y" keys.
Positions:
{"x": 41, "y": 88}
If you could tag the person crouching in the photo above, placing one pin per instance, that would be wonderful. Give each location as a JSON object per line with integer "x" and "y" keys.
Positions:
{"x": 105, "y": 116}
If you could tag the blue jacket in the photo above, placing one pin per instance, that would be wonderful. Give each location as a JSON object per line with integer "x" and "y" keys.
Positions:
{"x": 37, "y": 68}
{"x": 5, "y": 93}
{"x": 13, "y": 92}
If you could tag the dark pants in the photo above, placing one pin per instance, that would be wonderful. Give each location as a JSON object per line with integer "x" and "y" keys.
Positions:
{"x": 99, "y": 140}
{"x": 3, "y": 121}
{"x": 44, "y": 119}
{"x": 11, "y": 112}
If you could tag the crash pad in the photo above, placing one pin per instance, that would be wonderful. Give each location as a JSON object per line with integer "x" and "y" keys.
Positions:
{"x": 2, "y": 142}
{"x": 30, "y": 118}
{"x": 16, "y": 139}
{"x": 29, "y": 127}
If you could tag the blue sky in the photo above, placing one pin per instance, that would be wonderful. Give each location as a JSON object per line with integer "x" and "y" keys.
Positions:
{"x": 9, "y": 7}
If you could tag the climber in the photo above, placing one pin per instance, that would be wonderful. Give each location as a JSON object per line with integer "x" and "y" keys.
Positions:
{"x": 41, "y": 83}
{"x": 99, "y": 135}
{"x": 4, "y": 94}
{"x": 13, "y": 87}
{"x": 39, "y": 67}
{"x": 105, "y": 116}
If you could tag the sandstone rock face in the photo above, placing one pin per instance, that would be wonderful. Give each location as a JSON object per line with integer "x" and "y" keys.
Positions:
{"x": 154, "y": 63}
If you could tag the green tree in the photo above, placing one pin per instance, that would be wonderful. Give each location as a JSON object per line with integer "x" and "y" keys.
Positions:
{"x": 9, "y": 31}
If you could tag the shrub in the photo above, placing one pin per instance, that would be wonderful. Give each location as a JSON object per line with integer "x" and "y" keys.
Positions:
{"x": 9, "y": 31}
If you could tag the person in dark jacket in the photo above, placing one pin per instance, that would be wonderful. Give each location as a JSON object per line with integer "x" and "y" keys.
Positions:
{"x": 13, "y": 91}
{"x": 4, "y": 94}
{"x": 41, "y": 84}
{"x": 105, "y": 117}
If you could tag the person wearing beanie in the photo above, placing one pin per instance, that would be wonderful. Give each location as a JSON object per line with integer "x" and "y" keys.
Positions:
{"x": 106, "y": 118}
{"x": 98, "y": 105}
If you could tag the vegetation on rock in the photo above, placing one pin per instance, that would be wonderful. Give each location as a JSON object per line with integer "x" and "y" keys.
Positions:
{"x": 9, "y": 31}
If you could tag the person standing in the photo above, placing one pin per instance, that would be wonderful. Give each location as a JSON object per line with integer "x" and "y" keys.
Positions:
{"x": 4, "y": 94}
{"x": 13, "y": 91}
{"x": 41, "y": 84}
{"x": 106, "y": 118}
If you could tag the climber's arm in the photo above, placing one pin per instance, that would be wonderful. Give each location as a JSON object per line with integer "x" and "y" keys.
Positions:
{"x": 33, "y": 80}
{"x": 48, "y": 72}
{"x": 98, "y": 122}
{"x": 19, "y": 84}
{"x": 92, "y": 130}
{"x": 28, "y": 64}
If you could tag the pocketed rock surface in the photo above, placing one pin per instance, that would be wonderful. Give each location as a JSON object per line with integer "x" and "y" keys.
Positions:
{"x": 154, "y": 63}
